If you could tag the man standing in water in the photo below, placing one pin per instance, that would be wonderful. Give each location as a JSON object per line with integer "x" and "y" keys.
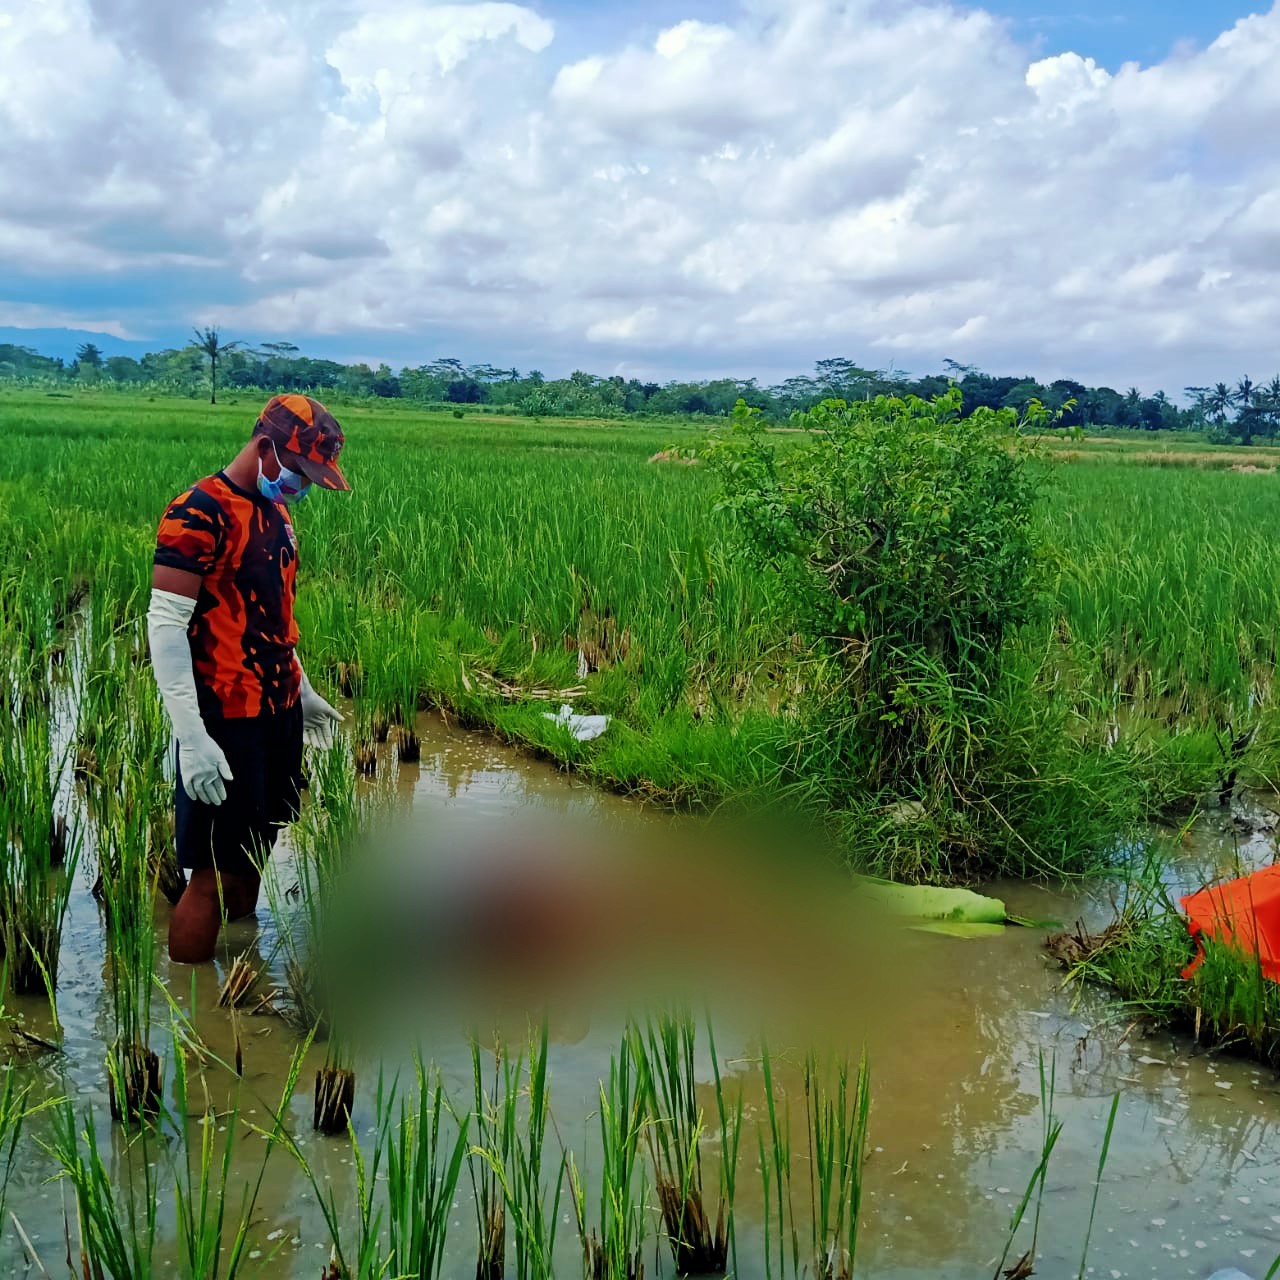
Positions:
{"x": 222, "y": 639}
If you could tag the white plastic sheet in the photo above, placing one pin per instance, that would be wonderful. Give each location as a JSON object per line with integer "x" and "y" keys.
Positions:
{"x": 584, "y": 728}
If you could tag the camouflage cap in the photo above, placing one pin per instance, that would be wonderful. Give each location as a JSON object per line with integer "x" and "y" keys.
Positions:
{"x": 305, "y": 427}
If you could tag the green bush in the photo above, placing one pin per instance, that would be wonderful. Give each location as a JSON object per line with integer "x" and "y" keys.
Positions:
{"x": 905, "y": 538}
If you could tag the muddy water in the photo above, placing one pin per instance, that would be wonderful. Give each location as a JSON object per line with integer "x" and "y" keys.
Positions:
{"x": 1192, "y": 1182}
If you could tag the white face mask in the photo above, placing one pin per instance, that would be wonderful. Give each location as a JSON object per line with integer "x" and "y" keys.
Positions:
{"x": 288, "y": 487}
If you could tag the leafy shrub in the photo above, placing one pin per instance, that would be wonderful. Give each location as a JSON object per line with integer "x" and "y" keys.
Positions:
{"x": 905, "y": 539}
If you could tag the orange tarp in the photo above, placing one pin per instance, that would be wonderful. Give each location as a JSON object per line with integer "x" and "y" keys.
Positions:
{"x": 1244, "y": 914}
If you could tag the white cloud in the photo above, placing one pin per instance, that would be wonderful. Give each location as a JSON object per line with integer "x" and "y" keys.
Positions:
{"x": 689, "y": 36}
{"x": 803, "y": 177}
{"x": 393, "y": 50}
{"x": 1066, "y": 82}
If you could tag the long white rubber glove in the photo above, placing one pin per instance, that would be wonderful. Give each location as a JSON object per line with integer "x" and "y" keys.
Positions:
{"x": 320, "y": 721}
{"x": 205, "y": 771}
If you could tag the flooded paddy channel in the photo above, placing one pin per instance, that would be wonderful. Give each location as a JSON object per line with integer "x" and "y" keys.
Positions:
{"x": 1192, "y": 1182}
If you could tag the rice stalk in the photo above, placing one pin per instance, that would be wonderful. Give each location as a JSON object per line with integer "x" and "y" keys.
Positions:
{"x": 674, "y": 1126}
{"x": 41, "y": 851}
{"x": 1097, "y": 1183}
{"x": 837, "y": 1126}
{"x": 423, "y": 1170}
{"x": 516, "y": 1161}
{"x": 117, "y": 1200}
{"x": 730, "y": 1141}
{"x": 493, "y": 1124}
{"x": 213, "y": 1225}
{"x": 367, "y": 1258}
{"x": 128, "y": 896}
{"x": 15, "y": 1111}
{"x": 613, "y": 1241}
{"x": 781, "y": 1235}
{"x": 1051, "y": 1131}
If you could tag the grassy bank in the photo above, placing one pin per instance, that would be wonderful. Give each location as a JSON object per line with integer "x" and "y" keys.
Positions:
{"x": 497, "y": 567}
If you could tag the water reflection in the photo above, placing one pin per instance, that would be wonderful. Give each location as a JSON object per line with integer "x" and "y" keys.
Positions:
{"x": 955, "y": 1032}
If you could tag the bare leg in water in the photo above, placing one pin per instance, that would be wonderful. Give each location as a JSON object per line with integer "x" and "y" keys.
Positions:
{"x": 196, "y": 920}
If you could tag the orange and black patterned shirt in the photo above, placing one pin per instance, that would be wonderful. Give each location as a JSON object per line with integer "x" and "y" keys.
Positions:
{"x": 242, "y": 632}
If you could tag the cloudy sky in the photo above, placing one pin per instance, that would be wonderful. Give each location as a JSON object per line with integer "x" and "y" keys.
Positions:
{"x": 701, "y": 186}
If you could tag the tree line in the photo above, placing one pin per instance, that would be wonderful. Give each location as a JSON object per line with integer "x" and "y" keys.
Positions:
{"x": 1245, "y": 411}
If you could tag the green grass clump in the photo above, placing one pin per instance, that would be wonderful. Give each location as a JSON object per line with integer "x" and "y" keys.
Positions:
{"x": 1226, "y": 1002}
{"x": 664, "y": 1052}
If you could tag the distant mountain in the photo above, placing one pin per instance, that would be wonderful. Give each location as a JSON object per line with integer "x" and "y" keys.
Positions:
{"x": 395, "y": 348}
{"x": 63, "y": 342}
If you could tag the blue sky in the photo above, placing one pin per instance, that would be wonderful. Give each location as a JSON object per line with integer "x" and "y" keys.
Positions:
{"x": 1111, "y": 33}
{"x": 661, "y": 188}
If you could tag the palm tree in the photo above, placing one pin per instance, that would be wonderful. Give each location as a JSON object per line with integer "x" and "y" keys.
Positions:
{"x": 1218, "y": 402}
{"x": 1199, "y": 397}
{"x": 208, "y": 341}
{"x": 1164, "y": 410}
{"x": 1268, "y": 401}
{"x": 1245, "y": 398}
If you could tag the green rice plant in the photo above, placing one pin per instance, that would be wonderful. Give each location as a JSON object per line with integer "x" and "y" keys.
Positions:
{"x": 100, "y": 730}
{"x": 323, "y": 841}
{"x": 117, "y": 1201}
{"x": 214, "y": 1195}
{"x": 1051, "y": 1131}
{"x": 32, "y": 614}
{"x": 368, "y": 1257}
{"x": 128, "y": 900}
{"x": 404, "y": 681}
{"x": 674, "y": 1126}
{"x": 781, "y": 1236}
{"x": 423, "y": 1169}
{"x": 14, "y": 1113}
{"x": 493, "y": 1123}
{"x": 730, "y": 1141}
{"x": 516, "y": 1162}
{"x": 41, "y": 851}
{"x": 837, "y": 1128}
{"x": 145, "y": 747}
{"x": 401, "y": 1229}
{"x": 322, "y": 838}
{"x": 379, "y": 659}
{"x": 1097, "y": 1183}
{"x": 612, "y": 1244}
{"x": 213, "y": 1230}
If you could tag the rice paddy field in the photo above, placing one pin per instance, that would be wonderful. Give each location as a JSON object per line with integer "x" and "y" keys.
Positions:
{"x": 484, "y": 572}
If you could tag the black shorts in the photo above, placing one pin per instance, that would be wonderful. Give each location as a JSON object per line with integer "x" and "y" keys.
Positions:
{"x": 265, "y": 757}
